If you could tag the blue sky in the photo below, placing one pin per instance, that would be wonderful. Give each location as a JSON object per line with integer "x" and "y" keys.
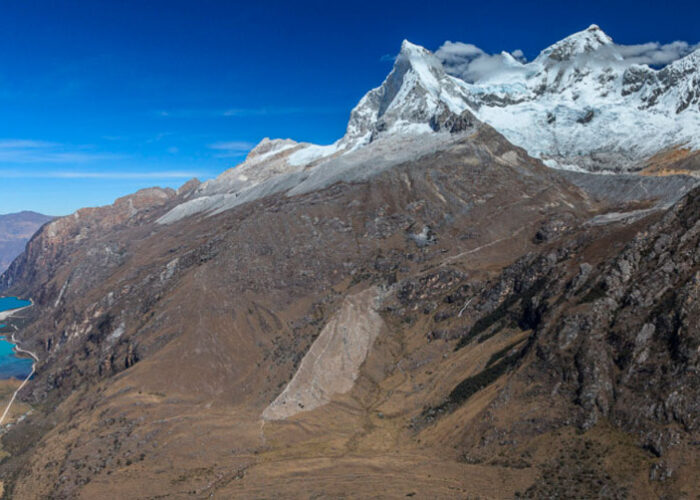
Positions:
{"x": 101, "y": 98}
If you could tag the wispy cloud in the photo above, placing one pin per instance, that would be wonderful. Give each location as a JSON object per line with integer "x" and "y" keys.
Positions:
{"x": 231, "y": 149}
{"x": 270, "y": 111}
{"x": 36, "y": 156}
{"x": 232, "y": 145}
{"x": 25, "y": 144}
{"x": 76, "y": 174}
{"x": 34, "y": 151}
{"x": 249, "y": 112}
{"x": 159, "y": 137}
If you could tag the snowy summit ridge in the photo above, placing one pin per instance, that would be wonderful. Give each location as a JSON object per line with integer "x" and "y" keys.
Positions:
{"x": 584, "y": 42}
{"x": 416, "y": 91}
{"x": 581, "y": 105}
{"x": 578, "y": 105}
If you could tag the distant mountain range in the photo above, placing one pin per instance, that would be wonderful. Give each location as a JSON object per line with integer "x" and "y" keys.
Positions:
{"x": 15, "y": 231}
{"x": 423, "y": 308}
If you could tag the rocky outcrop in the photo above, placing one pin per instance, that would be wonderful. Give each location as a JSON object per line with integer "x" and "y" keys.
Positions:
{"x": 65, "y": 235}
{"x": 612, "y": 336}
{"x": 332, "y": 364}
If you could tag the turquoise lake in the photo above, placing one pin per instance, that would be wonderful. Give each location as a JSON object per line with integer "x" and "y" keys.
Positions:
{"x": 11, "y": 365}
{"x": 12, "y": 303}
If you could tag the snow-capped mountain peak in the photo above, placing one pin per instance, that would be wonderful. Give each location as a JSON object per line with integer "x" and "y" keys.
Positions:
{"x": 417, "y": 108}
{"x": 579, "y": 105}
{"x": 420, "y": 60}
{"x": 410, "y": 99}
{"x": 584, "y": 42}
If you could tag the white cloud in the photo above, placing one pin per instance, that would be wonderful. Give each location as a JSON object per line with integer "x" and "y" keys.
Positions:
{"x": 656, "y": 54}
{"x": 458, "y": 51}
{"x": 519, "y": 55}
{"x": 472, "y": 64}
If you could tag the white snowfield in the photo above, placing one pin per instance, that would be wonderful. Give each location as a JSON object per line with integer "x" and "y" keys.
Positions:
{"x": 579, "y": 106}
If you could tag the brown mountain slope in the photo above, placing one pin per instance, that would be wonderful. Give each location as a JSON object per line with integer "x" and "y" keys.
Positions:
{"x": 166, "y": 349}
{"x": 600, "y": 360}
{"x": 673, "y": 161}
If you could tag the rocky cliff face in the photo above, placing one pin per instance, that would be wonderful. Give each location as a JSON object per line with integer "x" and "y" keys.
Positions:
{"x": 609, "y": 335}
{"x": 66, "y": 236}
{"x": 15, "y": 231}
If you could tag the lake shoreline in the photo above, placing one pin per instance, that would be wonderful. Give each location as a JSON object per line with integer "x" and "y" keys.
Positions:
{"x": 9, "y": 312}
{"x": 17, "y": 349}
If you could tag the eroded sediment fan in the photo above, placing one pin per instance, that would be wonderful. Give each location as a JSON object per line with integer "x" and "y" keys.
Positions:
{"x": 333, "y": 362}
